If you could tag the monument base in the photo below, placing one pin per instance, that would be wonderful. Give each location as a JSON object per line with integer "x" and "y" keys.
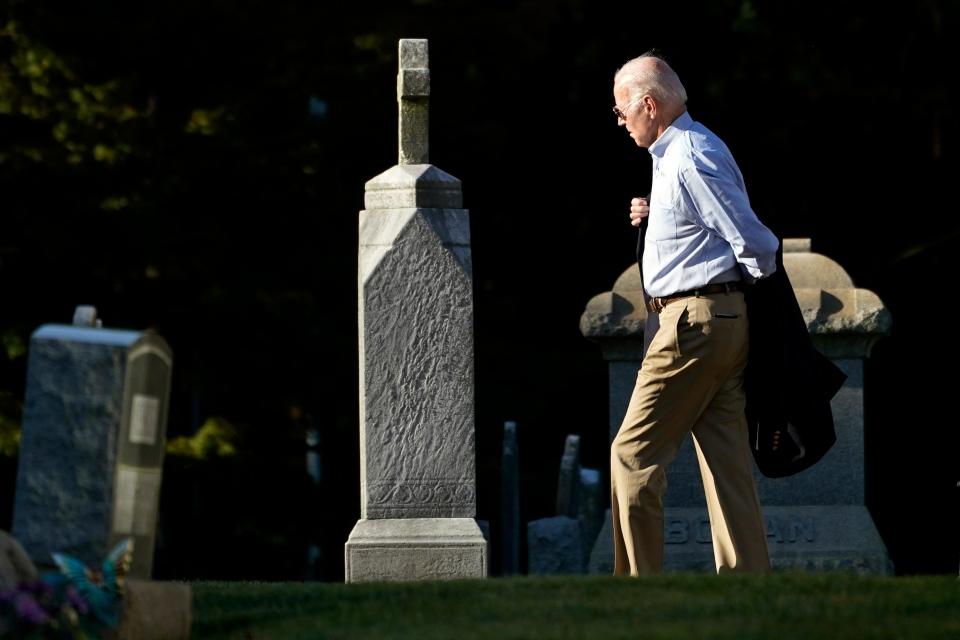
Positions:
{"x": 415, "y": 549}
{"x": 154, "y": 611}
{"x": 800, "y": 538}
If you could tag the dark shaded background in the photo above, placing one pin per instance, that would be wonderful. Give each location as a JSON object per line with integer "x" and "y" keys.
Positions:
{"x": 197, "y": 168}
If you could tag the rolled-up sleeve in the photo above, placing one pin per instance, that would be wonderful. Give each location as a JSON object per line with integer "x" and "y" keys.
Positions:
{"x": 719, "y": 199}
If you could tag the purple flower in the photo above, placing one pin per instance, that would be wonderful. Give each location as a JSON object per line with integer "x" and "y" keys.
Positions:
{"x": 38, "y": 588}
{"x": 29, "y": 609}
{"x": 76, "y": 601}
{"x": 46, "y": 605}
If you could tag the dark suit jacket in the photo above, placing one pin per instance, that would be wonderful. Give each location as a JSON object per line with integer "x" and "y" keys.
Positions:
{"x": 788, "y": 383}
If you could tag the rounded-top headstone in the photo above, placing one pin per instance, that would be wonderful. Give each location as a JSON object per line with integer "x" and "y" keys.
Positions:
{"x": 845, "y": 321}
{"x": 15, "y": 564}
{"x": 617, "y": 313}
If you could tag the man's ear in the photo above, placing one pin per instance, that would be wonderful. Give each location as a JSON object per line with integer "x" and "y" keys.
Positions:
{"x": 652, "y": 103}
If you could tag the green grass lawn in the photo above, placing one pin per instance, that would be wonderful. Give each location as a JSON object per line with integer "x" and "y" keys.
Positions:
{"x": 673, "y": 606}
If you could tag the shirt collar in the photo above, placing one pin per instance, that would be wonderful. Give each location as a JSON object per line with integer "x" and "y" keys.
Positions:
{"x": 682, "y": 123}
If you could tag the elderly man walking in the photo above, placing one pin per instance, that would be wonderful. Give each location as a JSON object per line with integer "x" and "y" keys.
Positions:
{"x": 701, "y": 243}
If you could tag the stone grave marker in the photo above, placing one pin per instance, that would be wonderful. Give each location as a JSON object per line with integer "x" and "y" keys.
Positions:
{"x": 568, "y": 480}
{"x": 816, "y": 519}
{"x": 417, "y": 449}
{"x": 510, "y": 501}
{"x": 561, "y": 544}
{"x": 94, "y": 431}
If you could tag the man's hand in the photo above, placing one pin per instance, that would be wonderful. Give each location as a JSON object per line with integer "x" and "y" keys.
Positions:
{"x": 639, "y": 209}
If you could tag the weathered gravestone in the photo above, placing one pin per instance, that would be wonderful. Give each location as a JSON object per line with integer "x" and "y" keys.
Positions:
{"x": 562, "y": 544}
{"x": 417, "y": 450}
{"x": 510, "y": 501}
{"x": 568, "y": 478}
{"x": 91, "y": 453}
{"x": 554, "y": 546}
{"x": 15, "y": 565}
{"x": 590, "y": 513}
{"x": 815, "y": 520}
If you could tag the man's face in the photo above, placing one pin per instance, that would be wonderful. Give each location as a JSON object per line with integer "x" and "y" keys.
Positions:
{"x": 636, "y": 117}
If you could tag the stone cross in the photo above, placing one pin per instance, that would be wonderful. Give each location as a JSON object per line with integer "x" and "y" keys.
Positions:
{"x": 413, "y": 97}
{"x": 415, "y": 316}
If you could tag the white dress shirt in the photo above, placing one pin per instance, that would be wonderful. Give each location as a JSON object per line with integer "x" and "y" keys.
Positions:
{"x": 701, "y": 228}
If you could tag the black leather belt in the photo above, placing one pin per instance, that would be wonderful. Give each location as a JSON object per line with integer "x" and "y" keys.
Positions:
{"x": 656, "y": 305}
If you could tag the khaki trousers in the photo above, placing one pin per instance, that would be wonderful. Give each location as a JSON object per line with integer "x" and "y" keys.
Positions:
{"x": 690, "y": 381}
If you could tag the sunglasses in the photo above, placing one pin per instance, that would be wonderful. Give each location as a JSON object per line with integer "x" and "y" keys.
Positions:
{"x": 620, "y": 113}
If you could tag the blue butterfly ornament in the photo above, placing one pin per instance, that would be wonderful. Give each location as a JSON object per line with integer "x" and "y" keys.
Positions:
{"x": 102, "y": 590}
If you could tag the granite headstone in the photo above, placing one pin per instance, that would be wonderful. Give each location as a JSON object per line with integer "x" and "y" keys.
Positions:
{"x": 94, "y": 430}
{"x": 816, "y": 519}
{"x": 417, "y": 450}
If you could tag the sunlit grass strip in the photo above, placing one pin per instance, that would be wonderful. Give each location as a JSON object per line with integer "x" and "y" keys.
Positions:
{"x": 673, "y": 606}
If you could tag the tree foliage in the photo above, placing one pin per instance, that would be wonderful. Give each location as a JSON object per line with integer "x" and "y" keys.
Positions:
{"x": 54, "y": 118}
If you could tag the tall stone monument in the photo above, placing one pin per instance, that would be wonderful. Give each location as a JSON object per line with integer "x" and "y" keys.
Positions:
{"x": 94, "y": 430}
{"x": 415, "y": 288}
{"x": 816, "y": 519}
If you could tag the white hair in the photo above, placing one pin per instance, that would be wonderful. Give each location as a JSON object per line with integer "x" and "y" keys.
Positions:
{"x": 649, "y": 73}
